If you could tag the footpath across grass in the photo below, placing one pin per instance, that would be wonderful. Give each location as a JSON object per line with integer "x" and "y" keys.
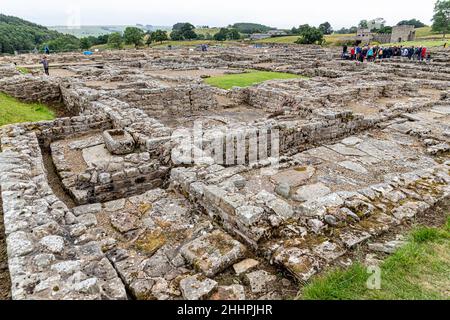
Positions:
{"x": 243, "y": 80}
{"x": 419, "y": 270}
{"x": 14, "y": 111}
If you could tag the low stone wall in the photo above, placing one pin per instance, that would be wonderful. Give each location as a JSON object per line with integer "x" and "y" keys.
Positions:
{"x": 49, "y": 131}
{"x": 31, "y": 89}
{"x": 109, "y": 179}
{"x": 176, "y": 100}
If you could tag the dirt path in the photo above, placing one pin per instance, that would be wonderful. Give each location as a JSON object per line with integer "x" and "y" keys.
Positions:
{"x": 5, "y": 281}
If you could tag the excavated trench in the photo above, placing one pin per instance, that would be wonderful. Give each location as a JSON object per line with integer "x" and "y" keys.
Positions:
{"x": 53, "y": 178}
{"x": 5, "y": 280}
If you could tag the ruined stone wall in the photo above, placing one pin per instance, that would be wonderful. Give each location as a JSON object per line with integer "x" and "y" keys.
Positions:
{"x": 31, "y": 89}
{"x": 175, "y": 100}
{"x": 49, "y": 131}
{"x": 8, "y": 70}
{"x": 78, "y": 100}
{"x": 110, "y": 179}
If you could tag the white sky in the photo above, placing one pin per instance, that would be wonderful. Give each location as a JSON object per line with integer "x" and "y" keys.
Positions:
{"x": 276, "y": 13}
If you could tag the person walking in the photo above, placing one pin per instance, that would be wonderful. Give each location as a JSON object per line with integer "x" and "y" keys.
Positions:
{"x": 44, "y": 62}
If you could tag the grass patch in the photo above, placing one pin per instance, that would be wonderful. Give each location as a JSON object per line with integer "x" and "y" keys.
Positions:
{"x": 419, "y": 270}
{"x": 331, "y": 39}
{"x": 14, "y": 111}
{"x": 420, "y": 43}
{"x": 23, "y": 70}
{"x": 243, "y": 80}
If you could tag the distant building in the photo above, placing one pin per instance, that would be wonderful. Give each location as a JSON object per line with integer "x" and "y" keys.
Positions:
{"x": 363, "y": 35}
{"x": 399, "y": 34}
{"x": 403, "y": 33}
{"x": 277, "y": 33}
{"x": 259, "y": 36}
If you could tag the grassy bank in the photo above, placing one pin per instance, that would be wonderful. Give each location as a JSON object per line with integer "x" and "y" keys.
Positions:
{"x": 247, "y": 79}
{"x": 14, "y": 111}
{"x": 419, "y": 270}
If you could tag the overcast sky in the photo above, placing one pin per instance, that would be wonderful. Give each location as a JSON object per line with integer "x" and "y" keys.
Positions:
{"x": 276, "y": 13}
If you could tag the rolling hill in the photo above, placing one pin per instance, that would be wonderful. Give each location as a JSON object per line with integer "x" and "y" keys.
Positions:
{"x": 20, "y": 35}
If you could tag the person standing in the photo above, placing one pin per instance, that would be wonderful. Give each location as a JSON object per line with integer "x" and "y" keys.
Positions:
{"x": 44, "y": 62}
{"x": 370, "y": 54}
{"x": 353, "y": 53}
{"x": 424, "y": 53}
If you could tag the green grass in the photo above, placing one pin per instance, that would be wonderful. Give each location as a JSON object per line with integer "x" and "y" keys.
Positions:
{"x": 14, "y": 111}
{"x": 247, "y": 79}
{"x": 23, "y": 70}
{"x": 420, "y": 43}
{"x": 419, "y": 270}
{"x": 331, "y": 39}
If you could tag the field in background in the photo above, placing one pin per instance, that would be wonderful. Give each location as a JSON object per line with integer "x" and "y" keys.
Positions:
{"x": 247, "y": 79}
{"x": 425, "y": 37}
{"x": 14, "y": 111}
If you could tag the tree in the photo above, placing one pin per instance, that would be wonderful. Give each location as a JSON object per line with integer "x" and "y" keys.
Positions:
{"x": 326, "y": 28}
{"x": 85, "y": 43}
{"x": 413, "y": 22}
{"x": 157, "y": 36}
{"x": 227, "y": 34}
{"x": 441, "y": 18}
{"x": 221, "y": 35}
{"x": 233, "y": 34}
{"x": 250, "y": 28}
{"x": 115, "y": 40}
{"x": 300, "y": 29}
{"x": 183, "y": 31}
{"x": 364, "y": 24}
{"x": 21, "y": 35}
{"x": 310, "y": 35}
{"x": 347, "y": 31}
{"x": 103, "y": 39}
{"x": 176, "y": 35}
{"x": 133, "y": 35}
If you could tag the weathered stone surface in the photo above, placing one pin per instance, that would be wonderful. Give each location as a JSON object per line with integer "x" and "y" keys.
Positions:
{"x": 353, "y": 166}
{"x": 245, "y": 266}
{"x": 213, "y": 253}
{"x": 233, "y": 292}
{"x": 54, "y": 244}
{"x": 250, "y": 215}
{"x": 294, "y": 177}
{"x": 311, "y": 192}
{"x": 259, "y": 281}
{"x": 197, "y": 287}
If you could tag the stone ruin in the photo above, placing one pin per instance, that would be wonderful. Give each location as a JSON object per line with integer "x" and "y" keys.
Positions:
{"x": 95, "y": 207}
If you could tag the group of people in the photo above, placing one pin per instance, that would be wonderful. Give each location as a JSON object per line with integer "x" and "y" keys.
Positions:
{"x": 372, "y": 53}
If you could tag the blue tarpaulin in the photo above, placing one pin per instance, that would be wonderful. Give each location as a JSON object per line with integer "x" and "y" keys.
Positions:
{"x": 87, "y": 53}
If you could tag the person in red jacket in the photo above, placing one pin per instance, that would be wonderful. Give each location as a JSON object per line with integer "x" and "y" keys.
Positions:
{"x": 353, "y": 53}
{"x": 424, "y": 53}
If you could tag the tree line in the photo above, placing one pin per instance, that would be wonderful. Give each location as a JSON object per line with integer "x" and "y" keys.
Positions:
{"x": 20, "y": 35}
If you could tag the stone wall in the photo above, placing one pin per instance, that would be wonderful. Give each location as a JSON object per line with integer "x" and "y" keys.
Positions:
{"x": 108, "y": 179}
{"x": 31, "y": 89}
{"x": 176, "y": 100}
